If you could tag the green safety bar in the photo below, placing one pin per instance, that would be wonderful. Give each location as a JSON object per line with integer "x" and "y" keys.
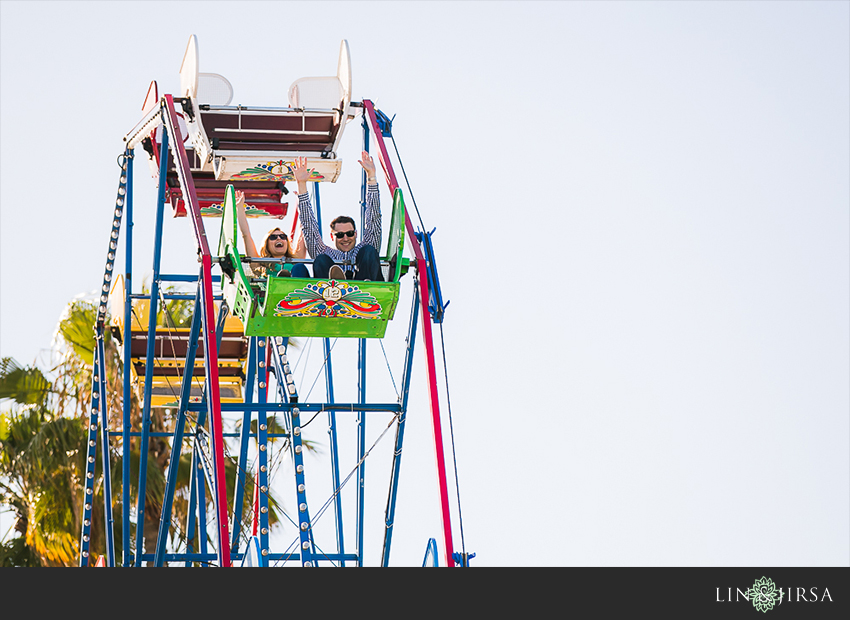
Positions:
{"x": 235, "y": 284}
{"x": 395, "y": 243}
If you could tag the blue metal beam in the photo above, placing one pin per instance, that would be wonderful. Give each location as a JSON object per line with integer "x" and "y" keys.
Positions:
{"x": 88, "y": 482}
{"x": 146, "y": 408}
{"x": 191, "y": 520}
{"x": 128, "y": 394}
{"x": 201, "y": 495}
{"x": 337, "y": 407}
{"x": 244, "y": 437}
{"x": 108, "y": 523}
{"x": 361, "y": 447}
{"x": 261, "y": 480}
{"x": 287, "y": 391}
{"x": 340, "y": 536}
{"x": 399, "y": 438}
{"x": 179, "y": 426}
{"x": 211, "y": 557}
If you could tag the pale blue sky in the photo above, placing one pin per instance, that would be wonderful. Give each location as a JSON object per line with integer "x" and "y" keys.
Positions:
{"x": 642, "y": 226}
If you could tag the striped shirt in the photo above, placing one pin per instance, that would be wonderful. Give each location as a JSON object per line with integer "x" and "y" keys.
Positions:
{"x": 313, "y": 236}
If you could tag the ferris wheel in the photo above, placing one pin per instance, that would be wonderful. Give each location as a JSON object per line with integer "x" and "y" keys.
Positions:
{"x": 218, "y": 393}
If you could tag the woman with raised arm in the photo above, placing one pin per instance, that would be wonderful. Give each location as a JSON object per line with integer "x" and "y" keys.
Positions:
{"x": 275, "y": 245}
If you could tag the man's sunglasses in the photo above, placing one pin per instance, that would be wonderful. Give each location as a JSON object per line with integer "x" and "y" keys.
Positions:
{"x": 347, "y": 233}
{"x": 280, "y": 236}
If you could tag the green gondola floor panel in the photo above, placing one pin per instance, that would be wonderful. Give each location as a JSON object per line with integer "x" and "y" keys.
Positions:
{"x": 323, "y": 308}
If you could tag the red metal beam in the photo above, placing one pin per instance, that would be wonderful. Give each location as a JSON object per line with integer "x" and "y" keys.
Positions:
{"x": 181, "y": 162}
{"x": 433, "y": 394}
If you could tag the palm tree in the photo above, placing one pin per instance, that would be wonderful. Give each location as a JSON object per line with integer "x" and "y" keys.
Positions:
{"x": 41, "y": 465}
{"x": 42, "y": 448}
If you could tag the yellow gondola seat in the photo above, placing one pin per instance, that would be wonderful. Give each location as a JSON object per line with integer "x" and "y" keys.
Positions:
{"x": 170, "y": 349}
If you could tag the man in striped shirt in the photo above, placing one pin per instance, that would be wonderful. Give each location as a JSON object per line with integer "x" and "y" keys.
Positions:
{"x": 364, "y": 255}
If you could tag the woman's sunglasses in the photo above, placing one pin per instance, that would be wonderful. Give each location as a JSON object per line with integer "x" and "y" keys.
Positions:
{"x": 347, "y": 233}
{"x": 280, "y": 236}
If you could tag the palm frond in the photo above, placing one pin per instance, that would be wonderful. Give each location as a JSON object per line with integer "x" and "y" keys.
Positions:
{"x": 25, "y": 385}
{"x": 76, "y": 327}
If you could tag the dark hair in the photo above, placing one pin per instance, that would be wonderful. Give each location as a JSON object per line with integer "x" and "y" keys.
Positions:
{"x": 343, "y": 219}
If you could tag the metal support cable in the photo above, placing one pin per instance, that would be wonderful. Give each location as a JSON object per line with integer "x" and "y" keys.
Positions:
{"x": 407, "y": 182}
{"x": 389, "y": 370}
{"x": 354, "y": 469}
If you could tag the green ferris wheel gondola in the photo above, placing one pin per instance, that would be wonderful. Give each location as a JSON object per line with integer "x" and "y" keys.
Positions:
{"x": 310, "y": 307}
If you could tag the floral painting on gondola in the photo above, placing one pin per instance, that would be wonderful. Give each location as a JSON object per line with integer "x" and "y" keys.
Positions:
{"x": 279, "y": 170}
{"x": 329, "y": 299}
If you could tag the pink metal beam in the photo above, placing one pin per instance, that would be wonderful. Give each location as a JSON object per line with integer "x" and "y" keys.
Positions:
{"x": 426, "y": 335}
{"x": 181, "y": 162}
